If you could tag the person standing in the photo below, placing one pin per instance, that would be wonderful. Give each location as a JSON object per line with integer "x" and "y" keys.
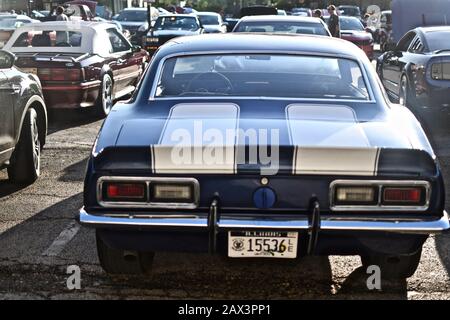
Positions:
{"x": 333, "y": 22}
{"x": 318, "y": 14}
{"x": 60, "y": 16}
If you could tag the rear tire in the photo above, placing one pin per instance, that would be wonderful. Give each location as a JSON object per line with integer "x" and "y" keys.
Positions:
{"x": 26, "y": 159}
{"x": 116, "y": 261}
{"x": 406, "y": 97}
{"x": 392, "y": 266}
{"x": 105, "y": 100}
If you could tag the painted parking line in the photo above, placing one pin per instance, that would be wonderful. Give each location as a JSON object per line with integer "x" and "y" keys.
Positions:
{"x": 62, "y": 240}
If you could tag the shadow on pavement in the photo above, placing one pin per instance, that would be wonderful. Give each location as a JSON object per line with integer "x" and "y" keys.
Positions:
{"x": 74, "y": 172}
{"x": 356, "y": 284}
{"x": 66, "y": 119}
{"x": 7, "y": 188}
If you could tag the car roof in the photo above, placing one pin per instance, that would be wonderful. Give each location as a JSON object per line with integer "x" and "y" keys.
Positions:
{"x": 204, "y": 13}
{"x": 433, "y": 29}
{"x": 176, "y": 15}
{"x": 134, "y": 9}
{"x": 236, "y": 41}
{"x": 91, "y": 25}
{"x": 281, "y": 18}
{"x": 91, "y": 41}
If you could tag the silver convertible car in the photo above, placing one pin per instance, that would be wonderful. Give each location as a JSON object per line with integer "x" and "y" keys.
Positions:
{"x": 262, "y": 146}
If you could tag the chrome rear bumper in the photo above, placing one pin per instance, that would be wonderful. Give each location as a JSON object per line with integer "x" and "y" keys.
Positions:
{"x": 227, "y": 222}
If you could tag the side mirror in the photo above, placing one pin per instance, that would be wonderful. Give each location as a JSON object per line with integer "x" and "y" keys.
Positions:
{"x": 226, "y": 24}
{"x": 7, "y": 59}
{"x": 136, "y": 49}
{"x": 398, "y": 53}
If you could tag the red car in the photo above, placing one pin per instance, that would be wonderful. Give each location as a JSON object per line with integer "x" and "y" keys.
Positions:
{"x": 353, "y": 30}
{"x": 80, "y": 64}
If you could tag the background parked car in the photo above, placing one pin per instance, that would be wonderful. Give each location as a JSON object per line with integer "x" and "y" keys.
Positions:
{"x": 353, "y": 31}
{"x": 257, "y": 11}
{"x": 303, "y": 12}
{"x": 80, "y": 64}
{"x": 350, "y": 11}
{"x": 23, "y": 121}
{"x": 282, "y": 24}
{"x": 212, "y": 22}
{"x": 231, "y": 23}
{"x": 135, "y": 20}
{"x": 170, "y": 26}
{"x": 417, "y": 71}
{"x": 9, "y": 23}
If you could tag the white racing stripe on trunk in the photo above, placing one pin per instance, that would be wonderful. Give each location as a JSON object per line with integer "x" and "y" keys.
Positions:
{"x": 62, "y": 240}
{"x": 198, "y": 138}
{"x": 336, "y": 161}
{"x": 329, "y": 140}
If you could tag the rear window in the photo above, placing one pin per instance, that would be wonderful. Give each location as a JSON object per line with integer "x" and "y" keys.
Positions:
{"x": 291, "y": 76}
{"x": 350, "y": 24}
{"x": 282, "y": 27}
{"x": 438, "y": 40}
{"x": 130, "y": 15}
{"x": 49, "y": 38}
{"x": 208, "y": 19}
{"x": 176, "y": 23}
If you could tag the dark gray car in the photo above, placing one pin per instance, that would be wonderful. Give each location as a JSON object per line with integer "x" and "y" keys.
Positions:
{"x": 23, "y": 121}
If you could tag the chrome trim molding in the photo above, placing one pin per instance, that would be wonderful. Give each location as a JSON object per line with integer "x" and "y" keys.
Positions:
{"x": 380, "y": 184}
{"x": 148, "y": 181}
{"x": 230, "y": 223}
{"x": 412, "y": 226}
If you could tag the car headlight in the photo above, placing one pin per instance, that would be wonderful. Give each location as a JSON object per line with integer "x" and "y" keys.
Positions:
{"x": 152, "y": 39}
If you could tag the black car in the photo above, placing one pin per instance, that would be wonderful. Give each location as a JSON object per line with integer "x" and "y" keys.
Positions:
{"x": 417, "y": 71}
{"x": 184, "y": 166}
{"x": 170, "y": 26}
{"x": 23, "y": 121}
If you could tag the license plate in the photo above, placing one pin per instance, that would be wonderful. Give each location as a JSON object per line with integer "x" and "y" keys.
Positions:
{"x": 262, "y": 244}
{"x": 30, "y": 70}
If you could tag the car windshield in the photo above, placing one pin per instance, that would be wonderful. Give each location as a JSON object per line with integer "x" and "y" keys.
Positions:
{"x": 176, "y": 23}
{"x": 131, "y": 15}
{"x": 271, "y": 75}
{"x": 438, "y": 40}
{"x": 350, "y": 24}
{"x": 282, "y": 27}
{"x": 48, "y": 38}
{"x": 209, "y": 19}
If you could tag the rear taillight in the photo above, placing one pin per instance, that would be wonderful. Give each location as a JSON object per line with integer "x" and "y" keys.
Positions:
{"x": 356, "y": 195}
{"x": 400, "y": 196}
{"x": 379, "y": 195}
{"x": 169, "y": 192}
{"x": 151, "y": 192}
{"x": 440, "y": 71}
{"x": 121, "y": 191}
{"x": 60, "y": 74}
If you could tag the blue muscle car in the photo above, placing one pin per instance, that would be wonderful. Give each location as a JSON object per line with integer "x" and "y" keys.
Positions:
{"x": 262, "y": 146}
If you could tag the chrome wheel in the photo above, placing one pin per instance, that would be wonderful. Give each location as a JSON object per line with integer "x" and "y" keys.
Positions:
{"x": 36, "y": 145}
{"x": 403, "y": 92}
{"x": 107, "y": 94}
